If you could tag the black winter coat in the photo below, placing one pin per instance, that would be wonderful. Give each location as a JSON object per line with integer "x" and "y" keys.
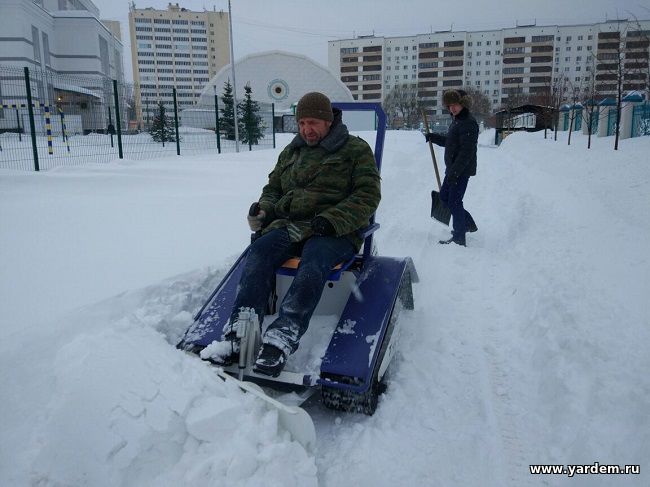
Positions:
{"x": 460, "y": 146}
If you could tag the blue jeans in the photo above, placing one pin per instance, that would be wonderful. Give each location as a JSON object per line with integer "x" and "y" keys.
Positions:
{"x": 266, "y": 255}
{"x": 451, "y": 194}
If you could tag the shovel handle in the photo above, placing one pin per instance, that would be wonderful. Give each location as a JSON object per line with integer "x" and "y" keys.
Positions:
{"x": 433, "y": 154}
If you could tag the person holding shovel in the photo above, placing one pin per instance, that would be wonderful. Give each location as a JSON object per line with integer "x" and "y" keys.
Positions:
{"x": 460, "y": 161}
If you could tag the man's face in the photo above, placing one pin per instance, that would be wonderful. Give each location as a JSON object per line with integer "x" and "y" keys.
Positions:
{"x": 312, "y": 130}
{"x": 455, "y": 108}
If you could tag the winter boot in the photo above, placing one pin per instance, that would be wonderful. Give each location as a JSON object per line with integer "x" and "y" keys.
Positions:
{"x": 270, "y": 361}
{"x": 452, "y": 239}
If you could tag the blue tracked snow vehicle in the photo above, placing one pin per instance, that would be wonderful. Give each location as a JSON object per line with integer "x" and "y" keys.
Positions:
{"x": 365, "y": 294}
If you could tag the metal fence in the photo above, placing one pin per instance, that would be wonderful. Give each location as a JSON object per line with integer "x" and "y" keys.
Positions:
{"x": 49, "y": 120}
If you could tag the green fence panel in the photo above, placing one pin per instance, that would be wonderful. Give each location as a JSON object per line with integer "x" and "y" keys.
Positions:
{"x": 641, "y": 120}
{"x": 611, "y": 122}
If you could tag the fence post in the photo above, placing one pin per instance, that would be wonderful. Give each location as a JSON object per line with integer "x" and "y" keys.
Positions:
{"x": 117, "y": 120}
{"x": 30, "y": 110}
{"x": 20, "y": 130}
{"x": 273, "y": 122}
{"x": 248, "y": 130}
{"x": 216, "y": 119}
{"x": 63, "y": 136}
{"x": 178, "y": 139}
{"x": 110, "y": 125}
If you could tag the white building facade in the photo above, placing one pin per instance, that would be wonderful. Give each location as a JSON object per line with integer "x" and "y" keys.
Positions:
{"x": 72, "y": 57}
{"x": 64, "y": 37}
{"x": 500, "y": 63}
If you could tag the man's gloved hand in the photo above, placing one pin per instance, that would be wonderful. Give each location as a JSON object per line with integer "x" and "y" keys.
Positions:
{"x": 322, "y": 226}
{"x": 256, "y": 217}
{"x": 428, "y": 137}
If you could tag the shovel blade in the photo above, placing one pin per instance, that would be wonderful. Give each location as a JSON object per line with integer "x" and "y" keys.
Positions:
{"x": 439, "y": 210}
{"x": 292, "y": 418}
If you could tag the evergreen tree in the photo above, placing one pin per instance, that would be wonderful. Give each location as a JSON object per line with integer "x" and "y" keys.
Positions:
{"x": 252, "y": 126}
{"x": 161, "y": 129}
{"x": 227, "y": 122}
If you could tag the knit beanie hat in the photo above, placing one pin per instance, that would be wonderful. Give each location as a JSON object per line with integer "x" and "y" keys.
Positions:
{"x": 457, "y": 96}
{"x": 314, "y": 105}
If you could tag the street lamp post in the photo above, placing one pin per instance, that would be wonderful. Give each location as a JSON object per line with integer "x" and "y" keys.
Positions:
{"x": 234, "y": 82}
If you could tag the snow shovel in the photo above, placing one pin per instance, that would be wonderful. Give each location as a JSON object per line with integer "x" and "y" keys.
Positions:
{"x": 439, "y": 210}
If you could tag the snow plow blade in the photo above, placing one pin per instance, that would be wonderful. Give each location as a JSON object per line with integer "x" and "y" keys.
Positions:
{"x": 292, "y": 418}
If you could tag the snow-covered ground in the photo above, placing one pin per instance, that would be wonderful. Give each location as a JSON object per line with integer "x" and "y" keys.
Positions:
{"x": 530, "y": 346}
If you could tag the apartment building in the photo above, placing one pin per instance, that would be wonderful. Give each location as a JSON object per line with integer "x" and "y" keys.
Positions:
{"x": 501, "y": 63}
{"x": 175, "y": 48}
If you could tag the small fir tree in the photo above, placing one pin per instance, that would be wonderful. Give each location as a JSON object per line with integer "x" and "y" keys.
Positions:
{"x": 252, "y": 125}
{"x": 227, "y": 122}
{"x": 161, "y": 129}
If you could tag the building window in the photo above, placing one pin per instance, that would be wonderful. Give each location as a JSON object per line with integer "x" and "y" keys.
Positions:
{"x": 46, "y": 49}
{"x": 36, "y": 45}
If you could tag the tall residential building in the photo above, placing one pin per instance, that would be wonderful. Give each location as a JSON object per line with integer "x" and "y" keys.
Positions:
{"x": 501, "y": 63}
{"x": 175, "y": 48}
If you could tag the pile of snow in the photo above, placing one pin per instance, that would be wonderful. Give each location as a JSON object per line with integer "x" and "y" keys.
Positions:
{"x": 527, "y": 347}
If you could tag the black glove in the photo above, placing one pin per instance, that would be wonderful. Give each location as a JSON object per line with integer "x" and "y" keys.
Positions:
{"x": 428, "y": 137}
{"x": 256, "y": 217}
{"x": 254, "y": 209}
{"x": 322, "y": 226}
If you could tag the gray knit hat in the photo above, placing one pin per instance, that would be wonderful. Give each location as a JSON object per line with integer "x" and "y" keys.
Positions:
{"x": 457, "y": 96}
{"x": 314, "y": 105}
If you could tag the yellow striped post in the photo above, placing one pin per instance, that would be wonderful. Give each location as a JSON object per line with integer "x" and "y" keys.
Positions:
{"x": 48, "y": 128}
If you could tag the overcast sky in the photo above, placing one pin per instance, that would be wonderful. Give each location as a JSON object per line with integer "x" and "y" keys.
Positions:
{"x": 305, "y": 26}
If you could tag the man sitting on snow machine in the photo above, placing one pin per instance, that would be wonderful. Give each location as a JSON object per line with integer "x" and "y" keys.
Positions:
{"x": 322, "y": 191}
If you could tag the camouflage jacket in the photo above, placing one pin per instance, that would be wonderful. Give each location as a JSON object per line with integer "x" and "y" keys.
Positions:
{"x": 337, "y": 179}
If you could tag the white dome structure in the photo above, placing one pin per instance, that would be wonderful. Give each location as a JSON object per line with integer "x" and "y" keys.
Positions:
{"x": 277, "y": 77}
